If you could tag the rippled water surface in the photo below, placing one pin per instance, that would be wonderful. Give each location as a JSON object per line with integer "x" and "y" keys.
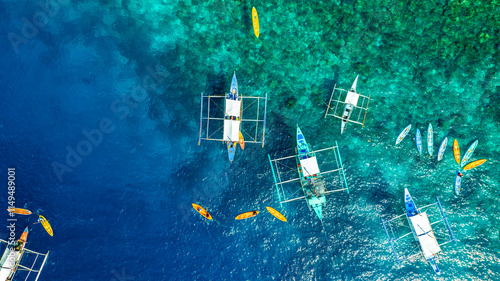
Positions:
{"x": 132, "y": 72}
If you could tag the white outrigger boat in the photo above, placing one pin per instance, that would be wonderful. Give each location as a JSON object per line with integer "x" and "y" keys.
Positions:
{"x": 350, "y": 106}
{"x": 11, "y": 260}
{"x": 312, "y": 181}
{"x": 232, "y": 120}
{"x": 422, "y": 232}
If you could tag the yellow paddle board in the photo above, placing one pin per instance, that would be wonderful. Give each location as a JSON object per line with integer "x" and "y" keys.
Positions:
{"x": 456, "y": 151}
{"x": 202, "y": 211}
{"x": 19, "y": 211}
{"x": 247, "y": 215}
{"x": 255, "y": 20}
{"x": 275, "y": 213}
{"x": 474, "y": 164}
{"x": 46, "y": 225}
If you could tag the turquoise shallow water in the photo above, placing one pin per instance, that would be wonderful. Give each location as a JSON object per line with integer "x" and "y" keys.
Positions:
{"x": 421, "y": 63}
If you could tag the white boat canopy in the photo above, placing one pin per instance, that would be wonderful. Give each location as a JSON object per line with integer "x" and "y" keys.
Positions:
{"x": 309, "y": 166}
{"x": 352, "y": 98}
{"x": 425, "y": 235}
{"x": 233, "y": 107}
{"x": 231, "y": 130}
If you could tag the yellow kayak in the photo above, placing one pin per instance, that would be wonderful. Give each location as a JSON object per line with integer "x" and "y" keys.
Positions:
{"x": 456, "y": 151}
{"x": 242, "y": 141}
{"x": 474, "y": 164}
{"x": 247, "y": 215}
{"x": 46, "y": 225}
{"x": 275, "y": 213}
{"x": 255, "y": 20}
{"x": 202, "y": 211}
{"x": 19, "y": 211}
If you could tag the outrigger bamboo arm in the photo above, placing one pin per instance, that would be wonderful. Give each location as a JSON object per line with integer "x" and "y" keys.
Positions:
{"x": 294, "y": 199}
{"x": 264, "y": 124}
{"x": 337, "y": 190}
{"x": 349, "y": 120}
{"x": 328, "y": 108}
{"x": 201, "y": 118}
{"x": 288, "y": 157}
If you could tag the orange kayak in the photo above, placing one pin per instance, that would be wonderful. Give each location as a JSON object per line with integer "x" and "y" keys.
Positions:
{"x": 24, "y": 236}
{"x": 474, "y": 164}
{"x": 242, "y": 141}
{"x": 247, "y": 215}
{"x": 275, "y": 213}
{"x": 255, "y": 21}
{"x": 202, "y": 211}
{"x": 456, "y": 151}
{"x": 19, "y": 211}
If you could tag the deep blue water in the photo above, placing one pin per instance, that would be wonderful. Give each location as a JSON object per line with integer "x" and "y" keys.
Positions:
{"x": 134, "y": 71}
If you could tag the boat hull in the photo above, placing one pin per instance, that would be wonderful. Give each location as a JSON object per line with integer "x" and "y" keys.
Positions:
{"x": 418, "y": 141}
{"x": 442, "y": 149}
{"x": 276, "y": 214}
{"x": 246, "y": 215}
{"x": 474, "y": 164}
{"x": 456, "y": 151}
{"x": 458, "y": 182}
{"x": 202, "y": 211}
{"x": 310, "y": 179}
{"x": 403, "y": 134}
{"x": 430, "y": 140}
{"x": 46, "y": 225}
{"x": 231, "y": 150}
{"x": 469, "y": 153}
{"x": 255, "y": 22}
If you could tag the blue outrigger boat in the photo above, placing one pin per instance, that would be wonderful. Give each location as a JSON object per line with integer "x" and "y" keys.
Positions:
{"x": 418, "y": 141}
{"x": 421, "y": 230}
{"x": 312, "y": 180}
{"x": 232, "y": 120}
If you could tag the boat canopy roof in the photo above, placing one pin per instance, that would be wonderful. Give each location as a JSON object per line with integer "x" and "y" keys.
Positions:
{"x": 352, "y": 98}
{"x": 231, "y": 130}
{"x": 309, "y": 166}
{"x": 233, "y": 107}
{"x": 425, "y": 235}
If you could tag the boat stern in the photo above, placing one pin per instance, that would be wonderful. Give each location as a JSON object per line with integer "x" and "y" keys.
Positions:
{"x": 433, "y": 263}
{"x": 231, "y": 150}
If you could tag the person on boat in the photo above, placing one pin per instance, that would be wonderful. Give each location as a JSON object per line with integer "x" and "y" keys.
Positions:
{"x": 18, "y": 246}
{"x": 254, "y": 213}
{"x": 460, "y": 174}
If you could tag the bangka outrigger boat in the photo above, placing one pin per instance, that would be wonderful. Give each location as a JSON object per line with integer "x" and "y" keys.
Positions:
{"x": 350, "y": 106}
{"x": 10, "y": 262}
{"x": 232, "y": 120}
{"x": 421, "y": 230}
{"x": 312, "y": 181}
